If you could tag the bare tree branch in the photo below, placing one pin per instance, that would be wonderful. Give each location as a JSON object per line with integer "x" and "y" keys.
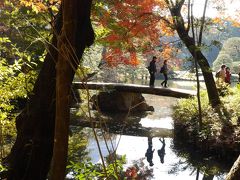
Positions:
{"x": 202, "y": 23}
{"x": 188, "y": 25}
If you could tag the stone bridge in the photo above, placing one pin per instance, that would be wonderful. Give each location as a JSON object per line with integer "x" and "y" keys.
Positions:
{"x": 171, "y": 92}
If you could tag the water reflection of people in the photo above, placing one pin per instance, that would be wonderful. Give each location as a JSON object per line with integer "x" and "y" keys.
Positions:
{"x": 161, "y": 152}
{"x": 149, "y": 153}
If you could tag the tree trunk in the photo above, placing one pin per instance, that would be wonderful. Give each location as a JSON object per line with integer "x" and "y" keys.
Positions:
{"x": 31, "y": 154}
{"x": 195, "y": 52}
{"x": 234, "y": 173}
{"x": 70, "y": 53}
{"x": 205, "y": 67}
{"x": 208, "y": 177}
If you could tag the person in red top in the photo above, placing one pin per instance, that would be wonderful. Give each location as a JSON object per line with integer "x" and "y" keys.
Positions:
{"x": 228, "y": 76}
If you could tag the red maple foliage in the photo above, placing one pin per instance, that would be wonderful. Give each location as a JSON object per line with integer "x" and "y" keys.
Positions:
{"x": 134, "y": 26}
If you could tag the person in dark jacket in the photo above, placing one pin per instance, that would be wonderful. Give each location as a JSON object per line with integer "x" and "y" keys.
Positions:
{"x": 152, "y": 70}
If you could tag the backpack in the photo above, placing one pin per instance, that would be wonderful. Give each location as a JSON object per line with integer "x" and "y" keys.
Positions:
{"x": 217, "y": 75}
{"x": 162, "y": 69}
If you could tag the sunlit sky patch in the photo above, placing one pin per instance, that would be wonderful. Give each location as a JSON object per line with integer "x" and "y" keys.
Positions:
{"x": 230, "y": 8}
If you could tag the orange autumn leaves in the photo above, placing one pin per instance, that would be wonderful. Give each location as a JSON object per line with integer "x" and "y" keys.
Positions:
{"x": 134, "y": 26}
{"x": 116, "y": 56}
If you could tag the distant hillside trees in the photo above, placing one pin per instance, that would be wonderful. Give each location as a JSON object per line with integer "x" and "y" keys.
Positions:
{"x": 222, "y": 59}
{"x": 229, "y": 55}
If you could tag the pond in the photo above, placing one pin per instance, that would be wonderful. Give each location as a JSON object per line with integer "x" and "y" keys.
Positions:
{"x": 135, "y": 146}
{"x": 150, "y": 128}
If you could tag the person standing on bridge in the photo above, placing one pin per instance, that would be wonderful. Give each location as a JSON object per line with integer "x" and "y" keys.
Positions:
{"x": 164, "y": 70}
{"x": 152, "y": 70}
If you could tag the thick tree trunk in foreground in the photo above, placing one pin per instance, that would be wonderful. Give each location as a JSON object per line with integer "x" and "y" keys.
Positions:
{"x": 234, "y": 173}
{"x": 75, "y": 29}
{"x": 31, "y": 154}
{"x": 195, "y": 52}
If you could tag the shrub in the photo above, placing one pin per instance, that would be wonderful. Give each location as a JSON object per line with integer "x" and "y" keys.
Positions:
{"x": 214, "y": 121}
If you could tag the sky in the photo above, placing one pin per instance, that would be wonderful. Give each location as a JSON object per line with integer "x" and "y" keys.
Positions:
{"x": 230, "y": 5}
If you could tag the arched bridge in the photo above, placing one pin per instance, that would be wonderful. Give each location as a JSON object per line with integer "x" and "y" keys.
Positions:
{"x": 171, "y": 92}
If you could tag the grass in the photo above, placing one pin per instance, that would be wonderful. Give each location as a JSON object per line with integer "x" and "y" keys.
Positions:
{"x": 220, "y": 133}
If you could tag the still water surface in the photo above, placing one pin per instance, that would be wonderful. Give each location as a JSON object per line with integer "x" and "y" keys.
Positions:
{"x": 135, "y": 147}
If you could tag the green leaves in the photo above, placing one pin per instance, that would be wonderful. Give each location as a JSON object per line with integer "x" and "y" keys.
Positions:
{"x": 2, "y": 168}
{"x": 14, "y": 84}
{"x": 4, "y": 40}
{"x": 88, "y": 170}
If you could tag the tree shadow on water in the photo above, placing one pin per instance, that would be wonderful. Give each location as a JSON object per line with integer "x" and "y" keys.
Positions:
{"x": 197, "y": 163}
